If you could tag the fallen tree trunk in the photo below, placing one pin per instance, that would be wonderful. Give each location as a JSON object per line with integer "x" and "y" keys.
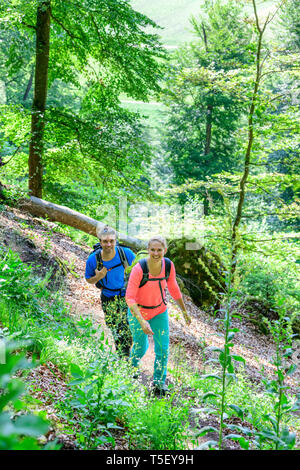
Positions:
{"x": 199, "y": 270}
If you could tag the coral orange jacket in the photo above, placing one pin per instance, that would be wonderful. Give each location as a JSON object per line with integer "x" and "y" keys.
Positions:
{"x": 150, "y": 294}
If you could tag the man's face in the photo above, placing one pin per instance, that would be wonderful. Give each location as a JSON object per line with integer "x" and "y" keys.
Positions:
{"x": 108, "y": 243}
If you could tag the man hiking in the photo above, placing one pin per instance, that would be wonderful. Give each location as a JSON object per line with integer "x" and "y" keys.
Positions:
{"x": 105, "y": 268}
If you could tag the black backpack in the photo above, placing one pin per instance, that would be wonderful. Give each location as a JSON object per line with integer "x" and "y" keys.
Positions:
{"x": 124, "y": 262}
{"x": 145, "y": 279}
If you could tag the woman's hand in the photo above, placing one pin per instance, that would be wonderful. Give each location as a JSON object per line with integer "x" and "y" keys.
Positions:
{"x": 146, "y": 327}
{"x": 134, "y": 308}
{"x": 180, "y": 304}
{"x": 187, "y": 318}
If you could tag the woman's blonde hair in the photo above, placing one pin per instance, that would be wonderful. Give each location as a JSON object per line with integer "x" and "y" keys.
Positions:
{"x": 158, "y": 238}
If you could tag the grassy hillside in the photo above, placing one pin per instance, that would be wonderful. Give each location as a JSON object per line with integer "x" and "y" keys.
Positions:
{"x": 174, "y": 16}
{"x": 45, "y": 299}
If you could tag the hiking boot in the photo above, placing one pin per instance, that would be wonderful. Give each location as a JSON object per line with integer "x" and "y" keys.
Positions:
{"x": 159, "y": 390}
{"x": 136, "y": 373}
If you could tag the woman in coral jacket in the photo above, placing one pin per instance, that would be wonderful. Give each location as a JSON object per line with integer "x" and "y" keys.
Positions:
{"x": 148, "y": 313}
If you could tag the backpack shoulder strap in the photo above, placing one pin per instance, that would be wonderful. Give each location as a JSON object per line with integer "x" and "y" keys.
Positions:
{"x": 122, "y": 255}
{"x": 144, "y": 265}
{"x": 167, "y": 268}
{"x": 99, "y": 261}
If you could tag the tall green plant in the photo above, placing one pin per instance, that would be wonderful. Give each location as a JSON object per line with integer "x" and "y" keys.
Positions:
{"x": 95, "y": 405}
{"x": 227, "y": 371}
{"x": 279, "y": 435}
{"x": 17, "y": 432}
{"x": 274, "y": 433}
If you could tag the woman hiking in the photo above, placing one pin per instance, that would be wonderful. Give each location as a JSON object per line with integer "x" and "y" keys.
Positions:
{"x": 148, "y": 313}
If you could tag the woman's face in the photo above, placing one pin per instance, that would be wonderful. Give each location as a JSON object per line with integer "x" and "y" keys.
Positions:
{"x": 156, "y": 251}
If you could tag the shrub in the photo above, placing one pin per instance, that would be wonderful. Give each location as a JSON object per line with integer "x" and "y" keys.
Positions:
{"x": 17, "y": 432}
{"x": 158, "y": 425}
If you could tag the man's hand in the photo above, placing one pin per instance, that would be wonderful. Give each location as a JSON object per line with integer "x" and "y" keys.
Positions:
{"x": 101, "y": 274}
{"x": 98, "y": 276}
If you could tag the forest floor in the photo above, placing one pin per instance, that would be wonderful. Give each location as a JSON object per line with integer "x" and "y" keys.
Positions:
{"x": 39, "y": 245}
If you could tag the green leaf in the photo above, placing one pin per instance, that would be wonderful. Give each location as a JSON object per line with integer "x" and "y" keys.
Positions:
{"x": 205, "y": 430}
{"x": 280, "y": 375}
{"x": 238, "y": 358}
{"x": 27, "y": 443}
{"x": 271, "y": 419}
{"x": 238, "y": 411}
{"x": 289, "y": 438}
{"x": 30, "y": 425}
{"x": 269, "y": 435}
{"x": 209, "y": 395}
{"x": 241, "y": 429}
{"x": 14, "y": 391}
{"x": 242, "y": 441}
{"x": 230, "y": 336}
{"x": 207, "y": 445}
{"x": 76, "y": 371}
{"x": 292, "y": 369}
{"x": 211, "y": 376}
{"x": 214, "y": 348}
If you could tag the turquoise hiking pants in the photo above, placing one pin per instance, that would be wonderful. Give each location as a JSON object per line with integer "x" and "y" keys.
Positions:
{"x": 160, "y": 327}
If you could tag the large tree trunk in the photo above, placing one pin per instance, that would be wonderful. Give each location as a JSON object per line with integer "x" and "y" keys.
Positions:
{"x": 199, "y": 270}
{"x": 40, "y": 97}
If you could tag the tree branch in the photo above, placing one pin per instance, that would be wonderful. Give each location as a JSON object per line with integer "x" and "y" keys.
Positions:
{"x": 2, "y": 163}
{"x": 31, "y": 26}
{"x": 71, "y": 35}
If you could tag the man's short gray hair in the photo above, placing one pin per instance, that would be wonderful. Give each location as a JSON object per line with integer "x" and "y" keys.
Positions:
{"x": 107, "y": 230}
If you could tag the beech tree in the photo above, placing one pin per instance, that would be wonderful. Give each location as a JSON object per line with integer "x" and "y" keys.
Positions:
{"x": 205, "y": 103}
{"x": 72, "y": 39}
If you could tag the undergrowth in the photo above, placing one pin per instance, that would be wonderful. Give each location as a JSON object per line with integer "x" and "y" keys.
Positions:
{"x": 102, "y": 399}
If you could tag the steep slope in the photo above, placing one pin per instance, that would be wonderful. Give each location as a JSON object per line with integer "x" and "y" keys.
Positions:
{"x": 40, "y": 244}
